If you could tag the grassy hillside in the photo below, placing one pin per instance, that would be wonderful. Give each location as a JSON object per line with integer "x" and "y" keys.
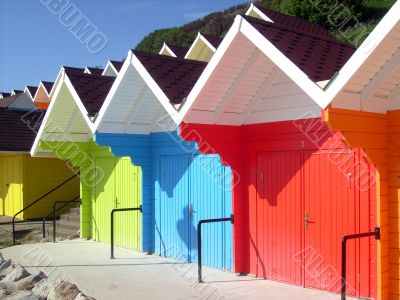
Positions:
{"x": 366, "y": 12}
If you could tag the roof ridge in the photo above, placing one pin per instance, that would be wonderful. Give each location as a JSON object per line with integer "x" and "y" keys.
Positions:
{"x": 332, "y": 40}
{"x": 171, "y": 58}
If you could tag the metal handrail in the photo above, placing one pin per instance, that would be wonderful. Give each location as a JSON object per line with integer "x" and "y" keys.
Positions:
{"x": 376, "y": 233}
{"x": 52, "y": 214}
{"x": 199, "y": 258}
{"x": 112, "y": 223}
{"x": 37, "y": 200}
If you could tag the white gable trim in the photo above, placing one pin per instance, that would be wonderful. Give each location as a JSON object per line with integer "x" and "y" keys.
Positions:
{"x": 196, "y": 41}
{"x": 169, "y": 50}
{"x": 263, "y": 16}
{"x": 362, "y": 54}
{"x": 61, "y": 79}
{"x": 109, "y": 66}
{"x": 264, "y": 45}
{"x": 153, "y": 86}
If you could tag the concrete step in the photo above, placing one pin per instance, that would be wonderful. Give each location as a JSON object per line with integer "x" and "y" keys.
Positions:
{"x": 74, "y": 211}
{"x": 76, "y": 219}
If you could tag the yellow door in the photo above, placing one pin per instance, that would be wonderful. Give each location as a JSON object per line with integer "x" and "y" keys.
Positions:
{"x": 11, "y": 185}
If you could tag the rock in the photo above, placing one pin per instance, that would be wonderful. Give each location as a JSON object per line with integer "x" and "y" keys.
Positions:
{"x": 18, "y": 273}
{"x": 3, "y": 293}
{"x": 8, "y": 287}
{"x": 1, "y": 258}
{"x": 42, "y": 289}
{"x": 6, "y": 271}
{"x": 28, "y": 283}
{"x": 82, "y": 296}
{"x": 21, "y": 295}
{"x": 64, "y": 291}
{"x": 4, "y": 265}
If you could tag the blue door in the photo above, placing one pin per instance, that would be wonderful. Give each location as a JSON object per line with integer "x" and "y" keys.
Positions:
{"x": 192, "y": 188}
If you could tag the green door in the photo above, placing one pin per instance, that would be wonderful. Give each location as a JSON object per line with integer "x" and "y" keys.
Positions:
{"x": 128, "y": 225}
{"x": 119, "y": 188}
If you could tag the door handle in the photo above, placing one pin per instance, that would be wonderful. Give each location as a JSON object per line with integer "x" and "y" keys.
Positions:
{"x": 191, "y": 210}
{"x": 116, "y": 202}
{"x": 306, "y": 220}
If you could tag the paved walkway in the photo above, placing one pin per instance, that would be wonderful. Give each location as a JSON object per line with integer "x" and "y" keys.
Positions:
{"x": 138, "y": 276}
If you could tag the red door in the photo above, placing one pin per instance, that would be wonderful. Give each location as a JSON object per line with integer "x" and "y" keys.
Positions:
{"x": 306, "y": 202}
{"x": 331, "y": 211}
{"x": 279, "y": 233}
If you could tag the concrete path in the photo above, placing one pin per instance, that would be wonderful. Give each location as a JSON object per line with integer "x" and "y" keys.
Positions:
{"x": 138, "y": 276}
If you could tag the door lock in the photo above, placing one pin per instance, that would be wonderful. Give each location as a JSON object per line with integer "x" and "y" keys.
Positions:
{"x": 116, "y": 202}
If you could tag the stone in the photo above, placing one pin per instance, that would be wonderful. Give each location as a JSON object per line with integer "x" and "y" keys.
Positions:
{"x": 28, "y": 283}
{"x": 42, "y": 289}
{"x": 82, "y": 296}
{"x": 64, "y": 291}
{"x": 4, "y": 265}
{"x": 18, "y": 273}
{"x": 21, "y": 295}
{"x": 7, "y": 286}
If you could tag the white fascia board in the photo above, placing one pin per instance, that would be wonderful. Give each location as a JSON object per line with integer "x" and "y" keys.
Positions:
{"x": 196, "y": 40}
{"x": 285, "y": 64}
{"x": 111, "y": 94}
{"x": 258, "y": 12}
{"x": 362, "y": 54}
{"x": 40, "y": 86}
{"x": 29, "y": 92}
{"x": 109, "y": 65}
{"x": 87, "y": 71}
{"x": 79, "y": 103}
{"x": 155, "y": 88}
{"x": 46, "y": 119}
{"x": 212, "y": 48}
{"x": 56, "y": 82}
{"x": 210, "y": 68}
{"x": 165, "y": 47}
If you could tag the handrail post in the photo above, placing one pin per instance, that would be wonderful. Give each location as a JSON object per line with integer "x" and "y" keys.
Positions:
{"x": 112, "y": 223}
{"x": 54, "y": 214}
{"x": 199, "y": 251}
{"x": 54, "y": 222}
{"x": 376, "y": 233}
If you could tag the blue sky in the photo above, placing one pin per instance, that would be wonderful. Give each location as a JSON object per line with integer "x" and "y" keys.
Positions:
{"x": 34, "y": 43}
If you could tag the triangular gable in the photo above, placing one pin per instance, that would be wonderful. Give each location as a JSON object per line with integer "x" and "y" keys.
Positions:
{"x": 370, "y": 79}
{"x": 203, "y": 48}
{"x": 42, "y": 96}
{"x": 30, "y": 91}
{"x": 68, "y": 118}
{"x": 17, "y": 102}
{"x": 174, "y": 51}
{"x": 147, "y": 93}
{"x": 269, "y": 15}
{"x": 259, "y": 74}
{"x": 112, "y": 68}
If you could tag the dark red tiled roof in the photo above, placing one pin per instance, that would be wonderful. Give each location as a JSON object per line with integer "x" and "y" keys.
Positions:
{"x": 91, "y": 89}
{"x": 18, "y": 129}
{"x": 5, "y": 102}
{"x": 17, "y": 92}
{"x": 175, "y": 76}
{"x": 320, "y": 58}
{"x": 295, "y": 22}
{"x": 178, "y": 51}
{"x": 74, "y": 70}
{"x": 32, "y": 90}
{"x": 48, "y": 86}
{"x": 213, "y": 40}
{"x": 117, "y": 64}
{"x": 95, "y": 71}
{"x": 5, "y": 95}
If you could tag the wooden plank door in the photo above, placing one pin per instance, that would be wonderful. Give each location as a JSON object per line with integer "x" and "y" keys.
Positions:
{"x": 173, "y": 201}
{"x": 210, "y": 198}
{"x": 279, "y": 216}
{"x": 331, "y": 211}
{"x": 128, "y": 225}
